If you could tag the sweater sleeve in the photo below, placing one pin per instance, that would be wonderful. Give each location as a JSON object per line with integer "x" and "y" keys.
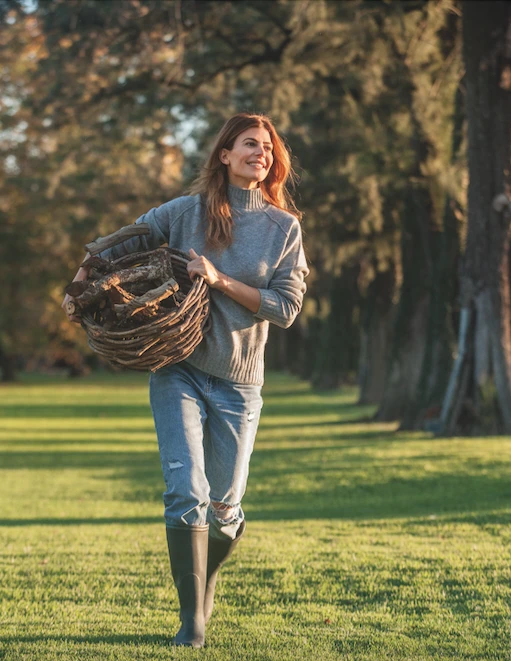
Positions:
{"x": 160, "y": 219}
{"x": 282, "y": 300}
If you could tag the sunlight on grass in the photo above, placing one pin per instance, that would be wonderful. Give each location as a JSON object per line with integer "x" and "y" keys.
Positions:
{"x": 362, "y": 543}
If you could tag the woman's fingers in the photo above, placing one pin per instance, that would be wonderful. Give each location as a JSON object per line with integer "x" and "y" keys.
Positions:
{"x": 200, "y": 265}
{"x": 197, "y": 266}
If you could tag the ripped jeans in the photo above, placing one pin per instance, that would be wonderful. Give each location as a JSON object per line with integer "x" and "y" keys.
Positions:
{"x": 206, "y": 427}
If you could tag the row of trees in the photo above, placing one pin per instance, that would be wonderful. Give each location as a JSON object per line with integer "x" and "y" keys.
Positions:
{"x": 108, "y": 108}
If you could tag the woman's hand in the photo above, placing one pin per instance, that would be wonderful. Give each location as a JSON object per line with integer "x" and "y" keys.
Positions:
{"x": 200, "y": 265}
{"x": 238, "y": 291}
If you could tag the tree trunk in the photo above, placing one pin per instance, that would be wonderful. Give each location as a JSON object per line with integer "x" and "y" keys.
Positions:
{"x": 296, "y": 346}
{"x": 458, "y": 412}
{"x": 405, "y": 365}
{"x": 485, "y": 285}
{"x": 287, "y": 347}
{"x": 406, "y": 353}
{"x": 7, "y": 366}
{"x": 340, "y": 338}
{"x": 312, "y": 351}
{"x": 375, "y": 338}
{"x": 424, "y": 408}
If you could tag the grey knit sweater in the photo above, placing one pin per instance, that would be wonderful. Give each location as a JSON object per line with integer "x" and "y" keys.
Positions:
{"x": 266, "y": 253}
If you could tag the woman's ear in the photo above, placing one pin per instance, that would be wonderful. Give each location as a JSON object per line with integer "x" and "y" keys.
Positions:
{"x": 224, "y": 156}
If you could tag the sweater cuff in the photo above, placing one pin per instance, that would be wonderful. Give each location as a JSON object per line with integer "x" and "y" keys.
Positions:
{"x": 271, "y": 309}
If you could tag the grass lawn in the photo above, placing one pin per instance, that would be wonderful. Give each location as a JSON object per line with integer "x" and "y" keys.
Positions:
{"x": 362, "y": 542}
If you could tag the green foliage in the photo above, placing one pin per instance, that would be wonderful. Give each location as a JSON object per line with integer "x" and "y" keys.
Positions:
{"x": 113, "y": 106}
{"x": 362, "y": 543}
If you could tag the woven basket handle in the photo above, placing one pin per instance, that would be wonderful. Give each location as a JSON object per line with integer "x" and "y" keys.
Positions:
{"x": 123, "y": 234}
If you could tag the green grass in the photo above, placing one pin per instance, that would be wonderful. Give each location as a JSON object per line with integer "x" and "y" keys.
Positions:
{"x": 362, "y": 542}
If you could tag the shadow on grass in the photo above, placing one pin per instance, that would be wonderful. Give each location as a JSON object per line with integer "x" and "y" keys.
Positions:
{"x": 104, "y": 521}
{"x": 85, "y": 410}
{"x": 351, "y": 487}
{"x": 268, "y": 423}
{"x": 12, "y": 459}
{"x": 395, "y": 498}
{"x": 317, "y": 408}
{"x": 323, "y": 478}
{"x": 140, "y": 466}
{"x": 131, "y": 639}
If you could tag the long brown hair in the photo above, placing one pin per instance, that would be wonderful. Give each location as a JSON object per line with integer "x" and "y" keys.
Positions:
{"x": 213, "y": 180}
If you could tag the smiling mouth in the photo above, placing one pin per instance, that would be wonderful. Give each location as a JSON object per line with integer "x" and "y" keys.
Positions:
{"x": 258, "y": 165}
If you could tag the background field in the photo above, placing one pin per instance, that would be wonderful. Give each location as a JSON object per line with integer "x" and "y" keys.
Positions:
{"x": 362, "y": 542}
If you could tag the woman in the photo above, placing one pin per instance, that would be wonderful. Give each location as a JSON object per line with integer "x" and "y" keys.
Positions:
{"x": 242, "y": 232}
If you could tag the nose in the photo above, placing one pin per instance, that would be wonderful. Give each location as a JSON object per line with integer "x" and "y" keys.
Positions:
{"x": 259, "y": 150}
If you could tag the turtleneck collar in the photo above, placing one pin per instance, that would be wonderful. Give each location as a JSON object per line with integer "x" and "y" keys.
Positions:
{"x": 246, "y": 199}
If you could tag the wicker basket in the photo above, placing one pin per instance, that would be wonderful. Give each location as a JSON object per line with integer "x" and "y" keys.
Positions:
{"x": 173, "y": 331}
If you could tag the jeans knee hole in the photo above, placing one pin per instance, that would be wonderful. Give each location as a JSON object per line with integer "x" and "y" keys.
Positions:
{"x": 223, "y": 513}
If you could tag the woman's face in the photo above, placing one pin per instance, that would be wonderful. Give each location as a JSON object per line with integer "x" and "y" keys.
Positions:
{"x": 250, "y": 159}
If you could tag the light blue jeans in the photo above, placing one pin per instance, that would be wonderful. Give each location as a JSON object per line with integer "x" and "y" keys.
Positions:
{"x": 206, "y": 428}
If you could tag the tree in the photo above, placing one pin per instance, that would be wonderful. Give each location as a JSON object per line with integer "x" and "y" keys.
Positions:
{"x": 363, "y": 93}
{"x": 478, "y": 398}
{"x": 77, "y": 160}
{"x": 421, "y": 339}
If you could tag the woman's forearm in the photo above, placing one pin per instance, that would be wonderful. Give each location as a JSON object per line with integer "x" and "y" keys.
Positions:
{"x": 243, "y": 294}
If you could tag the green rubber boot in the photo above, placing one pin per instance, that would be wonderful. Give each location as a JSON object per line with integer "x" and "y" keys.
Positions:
{"x": 188, "y": 551}
{"x": 219, "y": 552}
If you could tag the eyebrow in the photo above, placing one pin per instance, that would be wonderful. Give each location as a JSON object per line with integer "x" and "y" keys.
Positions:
{"x": 255, "y": 140}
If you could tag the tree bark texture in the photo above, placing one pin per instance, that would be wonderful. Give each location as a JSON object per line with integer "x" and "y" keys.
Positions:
{"x": 426, "y": 403}
{"x": 376, "y": 328}
{"x": 424, "y": 410}
{"x": 485, "y": 282}
{"x": 338, "y": 349}
{"x": 406, "y": 353}
{"x": 421, "y": 356}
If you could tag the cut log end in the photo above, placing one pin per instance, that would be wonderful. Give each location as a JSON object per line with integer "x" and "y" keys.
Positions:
{"x": 71, "y": 308}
